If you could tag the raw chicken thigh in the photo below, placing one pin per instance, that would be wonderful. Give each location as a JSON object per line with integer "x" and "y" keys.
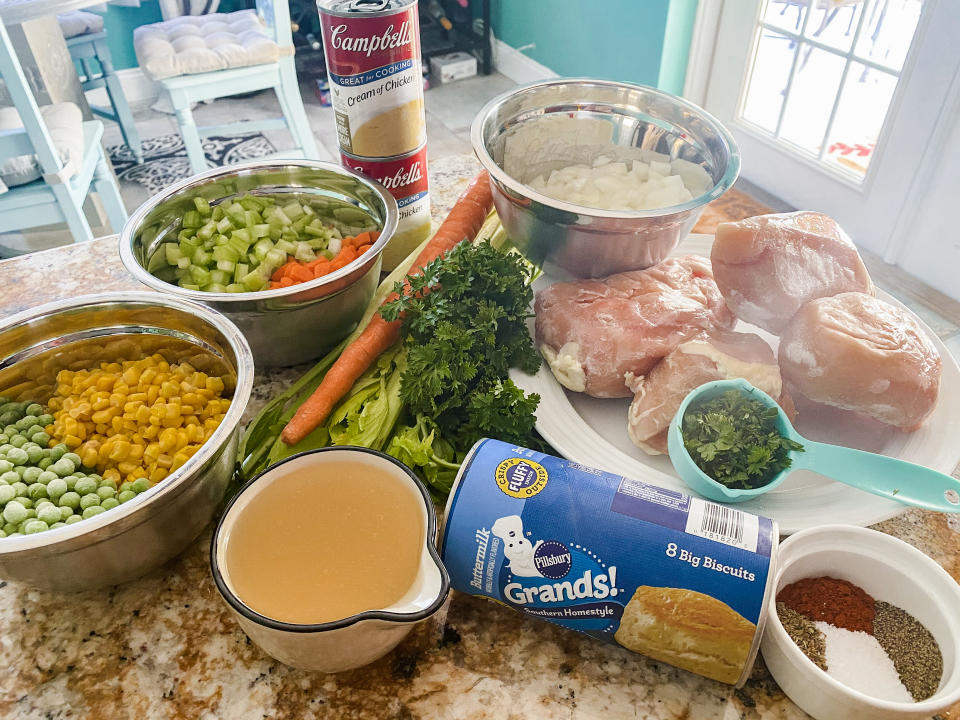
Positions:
{"x": 716, "y": 355}
{"x": 857, "y": 352}
{"x": 593, "y": 332}
{"x": 768, "y": 266}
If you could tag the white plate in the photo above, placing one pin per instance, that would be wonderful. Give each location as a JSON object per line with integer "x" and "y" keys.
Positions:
{"x": 593, "y": 431}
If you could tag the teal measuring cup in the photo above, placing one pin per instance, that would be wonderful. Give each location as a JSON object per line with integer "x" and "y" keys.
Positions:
{"x": 878, "y": 474}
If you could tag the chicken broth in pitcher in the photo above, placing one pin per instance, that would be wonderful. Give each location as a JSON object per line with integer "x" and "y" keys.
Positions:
{"x": 325, "y": 541}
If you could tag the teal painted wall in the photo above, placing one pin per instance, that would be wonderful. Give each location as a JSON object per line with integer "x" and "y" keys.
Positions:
{"x": 641, "y": 41}
{"x": 609, "y": 39}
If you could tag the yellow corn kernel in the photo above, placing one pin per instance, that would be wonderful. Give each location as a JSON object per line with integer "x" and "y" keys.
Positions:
{"x": 215, "y": 384}
{"x": 102, "y": 417}
{"x": 105, "y": 382}
{"x": 72, "y": 441}
{"x": 168, "y": 440}
{"x": 142, "y": 415}
{"x": 153, "y": 392}
{"x": 152, "y": 452}
{"x": 179, "y": 460}
{"x": 136, "y": 450}
{"x": 157, "y": 475}
{"x": 111, "y": 474}
{"x": 113, "y": 367}
{"x": 164, "y": 461}
{"x": 120, "y": 451}
{"x": 116, "y": 424}
{"x": 150, "y": 432}
{"x": 89, "y": 456}
{"x": 131, "y": 376}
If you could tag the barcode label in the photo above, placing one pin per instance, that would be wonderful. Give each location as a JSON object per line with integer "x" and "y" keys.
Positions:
{"x": 723, "y": 524}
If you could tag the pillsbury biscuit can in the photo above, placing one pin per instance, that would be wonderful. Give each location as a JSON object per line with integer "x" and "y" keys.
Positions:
{"x": 372, "y": 50}
{"x": 679, "y": 579}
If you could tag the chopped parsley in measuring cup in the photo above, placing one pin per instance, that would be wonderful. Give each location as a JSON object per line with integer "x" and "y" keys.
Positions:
{"x": 733, "y": 438}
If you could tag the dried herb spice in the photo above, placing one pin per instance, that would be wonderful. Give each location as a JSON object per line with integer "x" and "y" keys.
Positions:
{"x": 914, "y": 651}
{"x": 804, "y": 634}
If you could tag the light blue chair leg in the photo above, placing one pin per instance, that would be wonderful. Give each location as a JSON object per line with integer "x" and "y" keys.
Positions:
{"x": 288, "y": 94}
{"x": 118, "y": 100}
{"x": 106, "y": 186}
{"x": 72, "y": 213}
{"x": 188, "y": 130}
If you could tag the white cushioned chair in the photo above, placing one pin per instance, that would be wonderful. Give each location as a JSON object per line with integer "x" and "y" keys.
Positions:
{"x": 50, "y": 160}
{"x": 203, "y": 57}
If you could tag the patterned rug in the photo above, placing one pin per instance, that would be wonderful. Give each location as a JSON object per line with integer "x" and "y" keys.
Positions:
{"x": 165, "y": 158}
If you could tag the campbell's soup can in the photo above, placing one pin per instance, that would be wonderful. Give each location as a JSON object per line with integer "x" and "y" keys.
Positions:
{"x": 670, "y": 576}
{"x": 405, "y": 177}
{"x": 372, "y": 50}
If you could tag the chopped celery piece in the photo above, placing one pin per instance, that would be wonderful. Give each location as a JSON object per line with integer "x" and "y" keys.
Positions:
{"x": 304, "y": 252}
{"x": 183, "y": 263}
{"x": 254, "y": 260}
{"x": 239, "y": 271}
{"x": 221, "y": 277}
{"x": 217, "y": 215}
{"x": 316, "y": 232}
{"x": 216, "y": 287}
{"x": 254, "y": 281}
{"x": 235, "y": 288}
{"x": 249, "y": 202}
{"x": 189, "y": 246}
{"x": 199, "y": 275}
{"x": 335, "y": 245}
{"x": 226, "y": 266}
{"x": 278, "y": 218}
{"x": 235, "y": 213}
{"x": 202, "y": 257}
{"x": 260, "y": 230}
{"x": 274, "y": 233}
{"x": 189, "y": 286}
{"x": 225, "y": 252}
{"x": 262, "y": 248}
{"x": 286, "y": 246}
{"x": 173, "y": 253}
{"x": 224, "y": 225}
{"x": 202, "y": 206}
{"x": 251, "y": 218}
{"x": 192, "y": 219}
{"x": 292, "y": 210}
{"x": 275, "y": 258}
{"x": 207, "y": 231}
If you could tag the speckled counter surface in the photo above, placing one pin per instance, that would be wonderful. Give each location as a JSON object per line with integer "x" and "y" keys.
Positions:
{"x": 165, "y": 646}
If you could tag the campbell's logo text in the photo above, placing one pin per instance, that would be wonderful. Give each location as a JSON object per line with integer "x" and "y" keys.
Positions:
{"x": 370, "y": 44}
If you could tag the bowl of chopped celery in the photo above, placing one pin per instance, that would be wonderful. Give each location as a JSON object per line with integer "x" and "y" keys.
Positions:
{"x": 289, "y": 250}
{"x": 119, "y": 424}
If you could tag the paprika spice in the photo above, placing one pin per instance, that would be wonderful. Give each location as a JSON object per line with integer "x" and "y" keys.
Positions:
{"x": 838, "y": 602}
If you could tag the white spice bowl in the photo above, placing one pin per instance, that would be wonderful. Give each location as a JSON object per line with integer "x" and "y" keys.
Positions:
{"x": 889, "y": 570}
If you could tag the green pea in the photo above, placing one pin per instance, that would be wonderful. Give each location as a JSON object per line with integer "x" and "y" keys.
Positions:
{"x": 5, "y": 466}
{"x": 2, "y": 534}
{"x": 27, "y": 502}
{"x": 45, "y": 463}
{"x": 54, "y": 526}
{"x": 5, "y": 448}
{"x": 14, "y": 512}
{"x": 89, "y": 500}
{"x": 17, "y": 441}
{"x": 56, "y": 488}
{"x": 106, "y": 492}
{"x": 47, "y": 476}
{"x": 72, "y": 519}
{"x": 35, "y": 526}
{"x": 18, "y": 456}
{"x": 31, "y": 513}
{"x": 34, "y": 409}
{"x": 57, "y": 452}
{"x": 126, "y": 495}
{"x": 25, "y": 422}
{"x": 37, "y": 491}
{"x": 109, "y": 503}
{"x": 10, "y": 477}
{"x": 7, "y": 493}
{"x": 9, "y": 417}
{"x": 10, "y": 527}
{"x": 70, "y": 500}
{"x": 108, "y": 482}
{"x": 65, "y": 512}
{"x": 71, "y": 481}
{"x": 125, "y": 486}
{"x": 85, "y": 485}
{"x": 20, "y": 470}
{"x": 41, "y": 438}
{"x": 49, "y": 514}
{"x": 4, "y": 438}
{"x": 63, "y": 467}
{"x": 140, "y": 485}
{"x": 32, "y": 475}
{"x": 21, "y": 488}
{"x": 35, "y": 454}
{"x": 72, "y": 457}
{"x": 16, "y": 534}
{"x": 91, "y": 511}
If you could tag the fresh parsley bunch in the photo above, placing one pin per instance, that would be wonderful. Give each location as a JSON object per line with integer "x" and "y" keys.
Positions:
{"x": 464, "y": 322}
{"x": 733, "y": 438}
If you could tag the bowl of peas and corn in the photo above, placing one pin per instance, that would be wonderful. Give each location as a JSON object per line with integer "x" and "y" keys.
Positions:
{"x": 289, "y": 250}
{"x": 119, "y": 422}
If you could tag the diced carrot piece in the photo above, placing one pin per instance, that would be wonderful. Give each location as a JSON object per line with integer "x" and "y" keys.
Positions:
{"x": 361, "y": 239}
{"x": 362, "y": 249}
{"x": 374, "y": 235}
{"x": 278, "y": 273}
{"x": 287, "y": 282}
{"x": 300, "y": 274}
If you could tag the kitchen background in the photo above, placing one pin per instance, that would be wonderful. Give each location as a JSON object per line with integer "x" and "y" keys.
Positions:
{"x": 846, "y": 106}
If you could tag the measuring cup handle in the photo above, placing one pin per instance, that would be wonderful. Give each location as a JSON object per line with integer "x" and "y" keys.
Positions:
{"x": 881, "y": 475}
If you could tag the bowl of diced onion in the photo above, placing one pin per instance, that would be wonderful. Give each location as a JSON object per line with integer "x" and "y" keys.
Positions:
{"x": 599, "y": 177}
{"x": 226, "y": 238}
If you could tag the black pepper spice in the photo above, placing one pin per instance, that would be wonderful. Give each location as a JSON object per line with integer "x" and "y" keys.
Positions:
{"x": 804, "y": 634}
{"x": 914, "y": 651}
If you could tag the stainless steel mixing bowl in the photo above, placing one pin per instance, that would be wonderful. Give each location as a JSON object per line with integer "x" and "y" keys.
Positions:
{"x": 542, "y": 127}
{"x": 144, "y": 532}
{"x": 285, "y": 326}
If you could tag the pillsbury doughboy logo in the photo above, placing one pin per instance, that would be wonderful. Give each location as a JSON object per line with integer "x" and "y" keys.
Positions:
{"x": 520, "y": 478}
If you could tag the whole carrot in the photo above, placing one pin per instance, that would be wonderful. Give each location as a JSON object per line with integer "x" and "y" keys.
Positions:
{"x": 463, "y": 223}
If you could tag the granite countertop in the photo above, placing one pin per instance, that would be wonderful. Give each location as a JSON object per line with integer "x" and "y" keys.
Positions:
{"x": 166, "y": 646}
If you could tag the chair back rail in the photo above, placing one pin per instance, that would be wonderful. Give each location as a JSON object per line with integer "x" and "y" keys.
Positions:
{"x": 276, "y": 16}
